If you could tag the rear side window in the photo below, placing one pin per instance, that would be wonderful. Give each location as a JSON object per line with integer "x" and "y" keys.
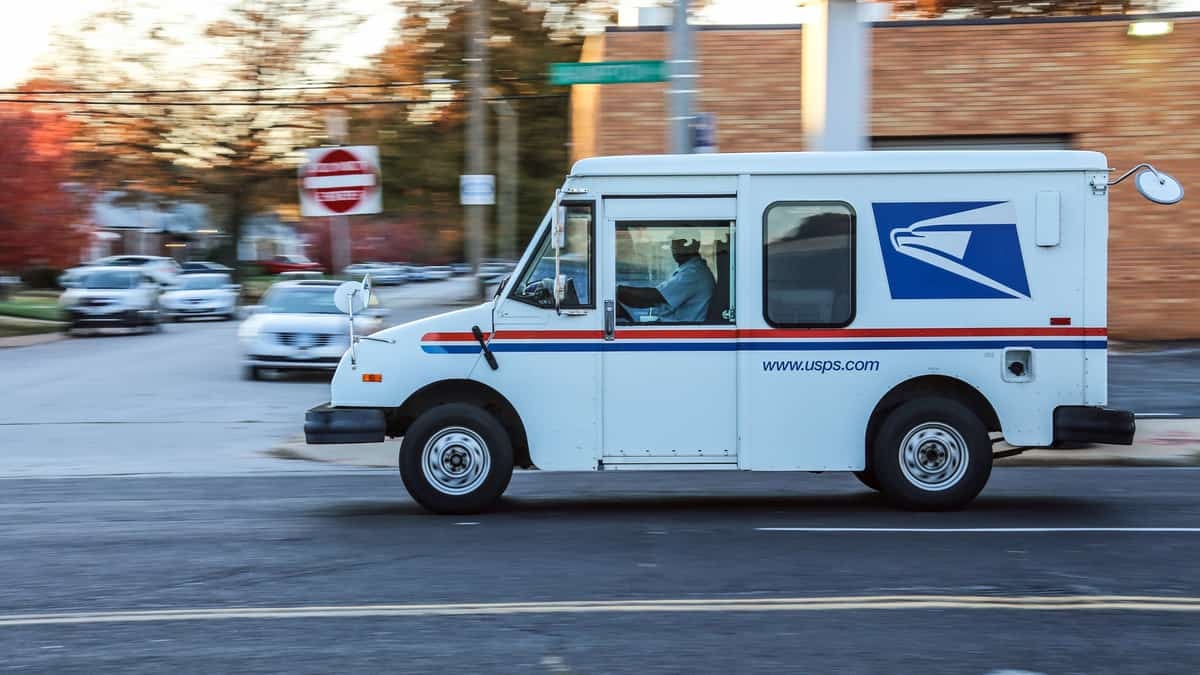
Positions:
{"x": 808, "y": 264}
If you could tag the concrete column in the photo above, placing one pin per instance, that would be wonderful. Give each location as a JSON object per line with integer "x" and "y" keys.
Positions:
{"x": 684, "y": 82}
{"x": 835, "y": 77}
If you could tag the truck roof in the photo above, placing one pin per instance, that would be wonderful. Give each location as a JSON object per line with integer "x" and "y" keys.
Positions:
{"x": 869, "y": 162}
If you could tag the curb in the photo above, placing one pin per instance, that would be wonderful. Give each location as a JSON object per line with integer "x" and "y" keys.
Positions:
{"x": 30, "y": 340}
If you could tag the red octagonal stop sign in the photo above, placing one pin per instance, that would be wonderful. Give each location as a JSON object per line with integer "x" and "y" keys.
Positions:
{"x": 339, "y": 181}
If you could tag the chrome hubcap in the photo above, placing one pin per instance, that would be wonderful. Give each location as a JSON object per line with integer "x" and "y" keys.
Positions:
{"x": 455, "y": 461}
{"x": 934, "y": 456}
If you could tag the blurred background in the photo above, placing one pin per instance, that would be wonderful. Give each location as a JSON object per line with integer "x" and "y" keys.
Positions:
{"x": 183, "y": 184}
{"x": 174, "y": 129}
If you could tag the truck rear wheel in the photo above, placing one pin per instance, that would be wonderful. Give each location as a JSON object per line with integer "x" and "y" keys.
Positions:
{"x": 931, "y": 453}
{"x": 456, "y": 458}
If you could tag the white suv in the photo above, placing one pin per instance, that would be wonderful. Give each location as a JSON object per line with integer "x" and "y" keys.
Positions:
{"x": 298, "y": 327}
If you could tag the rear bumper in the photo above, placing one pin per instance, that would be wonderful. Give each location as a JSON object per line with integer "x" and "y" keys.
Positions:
{"x": 325, "y": 424}
{"x": 1090, "y": 424}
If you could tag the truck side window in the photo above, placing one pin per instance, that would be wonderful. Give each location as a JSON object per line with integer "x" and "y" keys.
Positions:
{"x": 808, "y": 264}
{"x": 673, "y": 272}
{"x": 536, "y": 284}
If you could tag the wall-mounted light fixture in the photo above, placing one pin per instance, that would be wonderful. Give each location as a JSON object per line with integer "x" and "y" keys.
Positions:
{"x": 1150, "y": 28}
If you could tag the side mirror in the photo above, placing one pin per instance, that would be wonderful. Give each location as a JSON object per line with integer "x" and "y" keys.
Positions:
{"x": 1158, "y": 187}
{"x": 376, "y": 312}
{"x": 560, "y": 289}
{"x": 236, "y": 288}
{"x": 349, "y": 297}
{"x": 252, "y": 309}
{"x": 558, "y": 228}
{"x": 1153, "y": 184}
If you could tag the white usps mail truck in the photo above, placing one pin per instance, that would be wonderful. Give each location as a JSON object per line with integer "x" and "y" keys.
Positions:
{"x": 892, "y": 314}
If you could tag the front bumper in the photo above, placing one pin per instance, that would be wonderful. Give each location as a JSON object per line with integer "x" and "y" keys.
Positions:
{"x": 179, "y": 312}
{"x": 293, "y": 362}
{"x": 325, "y": 424}
{"x": 1092, "y": 424}
{"x": 120, "y": 318}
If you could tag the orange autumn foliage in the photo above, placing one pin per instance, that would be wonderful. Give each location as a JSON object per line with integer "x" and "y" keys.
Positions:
{"x": 43, "y": 219}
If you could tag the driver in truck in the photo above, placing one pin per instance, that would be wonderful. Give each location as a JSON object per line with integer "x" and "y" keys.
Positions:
{"x": 685, "y": 296}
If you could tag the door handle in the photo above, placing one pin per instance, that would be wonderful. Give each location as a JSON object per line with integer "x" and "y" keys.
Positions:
{"x": 610, "y": 318}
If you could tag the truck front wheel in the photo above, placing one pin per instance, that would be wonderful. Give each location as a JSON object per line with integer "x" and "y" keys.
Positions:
{"x": 456, "y": 458}
{"x": 931, "y": 453}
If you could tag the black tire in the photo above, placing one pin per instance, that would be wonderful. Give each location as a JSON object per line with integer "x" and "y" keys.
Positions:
{"x": 252, "y": 373}
{"x": 465, "y": 433}
{"x": 867, "y": 477}
{"x": 948, "y": 449}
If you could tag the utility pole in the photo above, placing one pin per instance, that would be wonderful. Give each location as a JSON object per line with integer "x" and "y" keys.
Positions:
{"x": 477, "y": 151}
{"x": 509, "y": 178}
{"x": 684, "y": 81}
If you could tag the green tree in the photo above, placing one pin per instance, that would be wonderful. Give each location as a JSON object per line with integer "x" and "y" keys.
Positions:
{"x": 422, "y": 144}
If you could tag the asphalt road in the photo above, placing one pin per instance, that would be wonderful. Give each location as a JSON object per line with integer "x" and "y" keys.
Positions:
{"x": 1051, "y": 570}
{"x": 351, "y": 543}
{"x": 1161, "y": 382}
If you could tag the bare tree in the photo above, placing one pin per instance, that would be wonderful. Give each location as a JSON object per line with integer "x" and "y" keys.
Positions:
{"x": 210, "y": 112}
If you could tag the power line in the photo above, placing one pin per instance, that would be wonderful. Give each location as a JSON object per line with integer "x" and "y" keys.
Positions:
{"x": 280, "y": 104}
{"x": 250, "y": 90}
{"x": 220, "y": 90}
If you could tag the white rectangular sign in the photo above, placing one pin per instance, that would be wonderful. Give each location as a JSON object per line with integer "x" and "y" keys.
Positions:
{"x": 477, "y": 189}
{"x": 340, "y": 181}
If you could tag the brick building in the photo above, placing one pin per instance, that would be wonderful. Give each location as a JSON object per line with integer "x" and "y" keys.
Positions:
{"x": 1075, "y": 82}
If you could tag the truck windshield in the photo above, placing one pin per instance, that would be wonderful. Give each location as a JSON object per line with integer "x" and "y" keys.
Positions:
{"x": 536, "y": 284}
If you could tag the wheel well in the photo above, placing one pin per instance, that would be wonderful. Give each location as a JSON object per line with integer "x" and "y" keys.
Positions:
{"x": 932, "y": 385}
{"x": 464, "y": 391}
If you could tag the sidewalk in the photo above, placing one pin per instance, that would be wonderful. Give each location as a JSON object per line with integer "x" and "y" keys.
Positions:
{"x": 1158, "y": 442}
{"x": 29, "y": 331}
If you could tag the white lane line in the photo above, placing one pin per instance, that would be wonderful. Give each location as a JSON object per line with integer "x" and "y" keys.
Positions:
{"x": 1138, "y": 603}
{"x": 982, "y": 530}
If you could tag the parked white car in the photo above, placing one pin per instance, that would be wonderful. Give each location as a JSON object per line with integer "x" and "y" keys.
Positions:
{"x": 298, "y": 327}
{"x": 382, "y": 274}
{"x": 438, "y": 272}
{"x": 201, "y": 295}
{"x": 162, "y": 269}
{"x": 113, "y": 298}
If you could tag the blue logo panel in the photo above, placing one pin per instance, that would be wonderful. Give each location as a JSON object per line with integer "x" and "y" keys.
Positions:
{"x": 951, "y": 250}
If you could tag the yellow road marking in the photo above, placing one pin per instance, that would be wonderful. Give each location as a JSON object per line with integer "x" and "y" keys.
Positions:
{"x": 1138, "y": 603}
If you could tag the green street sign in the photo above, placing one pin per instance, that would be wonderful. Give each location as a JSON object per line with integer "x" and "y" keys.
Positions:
{"x": 608, "y": 72}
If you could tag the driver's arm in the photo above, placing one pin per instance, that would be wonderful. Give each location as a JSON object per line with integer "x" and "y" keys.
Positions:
{"x": 639, "y": 296}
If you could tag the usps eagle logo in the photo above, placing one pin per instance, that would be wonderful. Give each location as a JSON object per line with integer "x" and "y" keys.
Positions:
{"x": 951, "y": 250}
